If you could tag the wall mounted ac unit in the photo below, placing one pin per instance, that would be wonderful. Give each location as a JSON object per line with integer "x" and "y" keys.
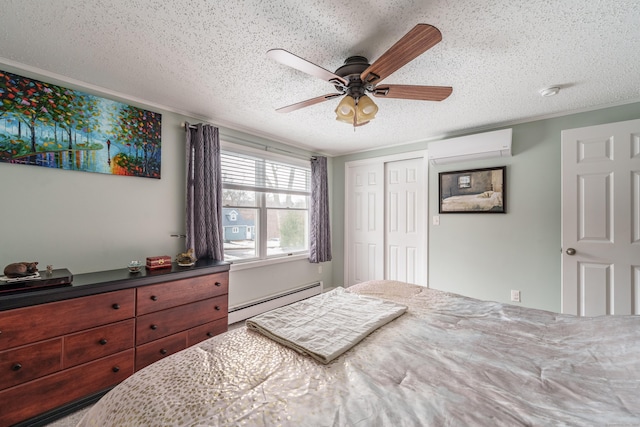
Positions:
{"x": 471, "y": 147}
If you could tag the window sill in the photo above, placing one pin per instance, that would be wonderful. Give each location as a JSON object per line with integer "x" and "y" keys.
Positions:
{"x": 236, "y": 265}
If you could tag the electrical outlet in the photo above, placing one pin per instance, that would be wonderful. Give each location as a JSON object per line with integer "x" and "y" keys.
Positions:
{"x": 515, "y": 295}
{"x": 436, "y": 220}
{"x": 319, "y": 269}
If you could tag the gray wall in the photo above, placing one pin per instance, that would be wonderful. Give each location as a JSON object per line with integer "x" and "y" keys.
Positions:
{"x": 90, "y": 222}
{"x": 487, "y": 255}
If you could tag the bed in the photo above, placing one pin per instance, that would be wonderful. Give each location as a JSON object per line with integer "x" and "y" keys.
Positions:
{"x": 449, "y": 360}
{"x": 484, "y": 201}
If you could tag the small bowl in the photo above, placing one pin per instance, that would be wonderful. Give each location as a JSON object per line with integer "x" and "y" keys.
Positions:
{"x": 134, "y": 266}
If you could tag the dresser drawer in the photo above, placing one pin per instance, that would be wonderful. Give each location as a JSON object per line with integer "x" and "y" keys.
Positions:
{"x": 46, "y": 393}
{"x": 206, "y": 331}
{"x": 29, "y": 362}
{"x": 98, "y": 342}
{"x": 30, "y": 324}
{"x": 179, "y": 292}
{"x": 167, "y": 322}
{"x": 152, "y": 352}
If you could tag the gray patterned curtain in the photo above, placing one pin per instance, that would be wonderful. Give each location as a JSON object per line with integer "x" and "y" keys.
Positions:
{"x": 320, "y": 230}
{"x": 204, "y": 192}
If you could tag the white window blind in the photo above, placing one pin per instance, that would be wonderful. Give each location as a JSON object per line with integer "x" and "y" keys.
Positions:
{"x": 249, "y": 173}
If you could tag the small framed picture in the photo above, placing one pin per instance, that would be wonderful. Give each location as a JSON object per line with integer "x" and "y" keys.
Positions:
{"x": 473, "y": 191}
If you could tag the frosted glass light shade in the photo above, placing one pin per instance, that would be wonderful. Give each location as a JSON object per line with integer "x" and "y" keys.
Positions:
{"x": 365, "y": 110}
{"x": 346, "y": 109}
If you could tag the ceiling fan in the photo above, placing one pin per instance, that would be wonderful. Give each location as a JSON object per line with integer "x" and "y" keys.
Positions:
{"x": 357, "y": 77}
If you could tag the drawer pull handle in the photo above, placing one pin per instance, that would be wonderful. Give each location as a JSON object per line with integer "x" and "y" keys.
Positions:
{"x": 154, "y": 298}
{"x": 115, "y": 368}
{"x": 217, "y": 307}
{"x": 102, "y": 341}
{"x": 16, "y": 367}
{"x": 116, "y": 306}
{"x": 209, "y": 334}
{"x": 218, "y": 284}
{"x": 154, "y": 327}
{"x": 163, "y": 351}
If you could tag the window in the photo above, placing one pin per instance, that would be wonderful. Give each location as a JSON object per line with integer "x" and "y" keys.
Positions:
{"x": 265, "y": 206}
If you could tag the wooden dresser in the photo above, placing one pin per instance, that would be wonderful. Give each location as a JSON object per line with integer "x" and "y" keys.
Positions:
{"x": 62, "y": 348}
{"x": 175, "y": 315}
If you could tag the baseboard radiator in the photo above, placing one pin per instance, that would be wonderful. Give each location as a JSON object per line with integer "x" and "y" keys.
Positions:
{"x": 253, "y": 308}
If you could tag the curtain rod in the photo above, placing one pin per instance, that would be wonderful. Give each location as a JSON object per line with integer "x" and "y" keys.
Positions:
{"x": 264, "y": 147}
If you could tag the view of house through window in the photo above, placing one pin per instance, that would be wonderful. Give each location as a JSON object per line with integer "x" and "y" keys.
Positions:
{"x": 266, "y": 207}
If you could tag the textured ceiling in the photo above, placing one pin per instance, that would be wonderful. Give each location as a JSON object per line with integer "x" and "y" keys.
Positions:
{"x": 207, "y": 59}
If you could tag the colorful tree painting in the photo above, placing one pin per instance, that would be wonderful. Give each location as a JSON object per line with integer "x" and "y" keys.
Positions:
{"x": 47, "y": 125}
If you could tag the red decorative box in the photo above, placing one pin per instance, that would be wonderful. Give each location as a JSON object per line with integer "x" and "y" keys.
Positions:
{"x": 155, "y": 262}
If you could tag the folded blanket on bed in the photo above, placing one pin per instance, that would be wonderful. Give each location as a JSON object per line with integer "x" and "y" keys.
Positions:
{"x": 327, "y": 325}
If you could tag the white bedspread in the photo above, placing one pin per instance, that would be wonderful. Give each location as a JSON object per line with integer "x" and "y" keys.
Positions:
{"x": 327, "y": 325}
{"x": 448, "y": 361}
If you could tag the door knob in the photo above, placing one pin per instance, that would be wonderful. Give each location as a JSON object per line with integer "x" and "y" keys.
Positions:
{"x": 571, "y": 251}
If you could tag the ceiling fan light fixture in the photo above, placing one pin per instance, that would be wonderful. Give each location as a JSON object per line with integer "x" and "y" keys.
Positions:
{"x": 358, "y": 76}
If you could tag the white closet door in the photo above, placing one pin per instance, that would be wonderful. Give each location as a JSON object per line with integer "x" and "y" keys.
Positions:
{"x": 406, "y": 221}
{"x": 364, "y": 225}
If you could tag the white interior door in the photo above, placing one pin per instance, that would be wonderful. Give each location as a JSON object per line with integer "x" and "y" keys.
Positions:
{"x": 601, "y": 219}
{"x": 364, "y": 225}
{"x": 405, "y": 221}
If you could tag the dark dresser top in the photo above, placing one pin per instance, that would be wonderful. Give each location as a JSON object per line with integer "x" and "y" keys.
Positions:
{"x": 106, "y": 281}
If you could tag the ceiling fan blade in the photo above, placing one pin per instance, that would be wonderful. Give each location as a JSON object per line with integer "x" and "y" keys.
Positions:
{"x": 294, "y": 61}
{"x": 307, "y": 103}
{"x": 420, "y": 93}
{"x": 421, "y": 38}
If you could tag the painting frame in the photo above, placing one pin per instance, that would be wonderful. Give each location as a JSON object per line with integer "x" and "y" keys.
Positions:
{"x": 482, "y": 190}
